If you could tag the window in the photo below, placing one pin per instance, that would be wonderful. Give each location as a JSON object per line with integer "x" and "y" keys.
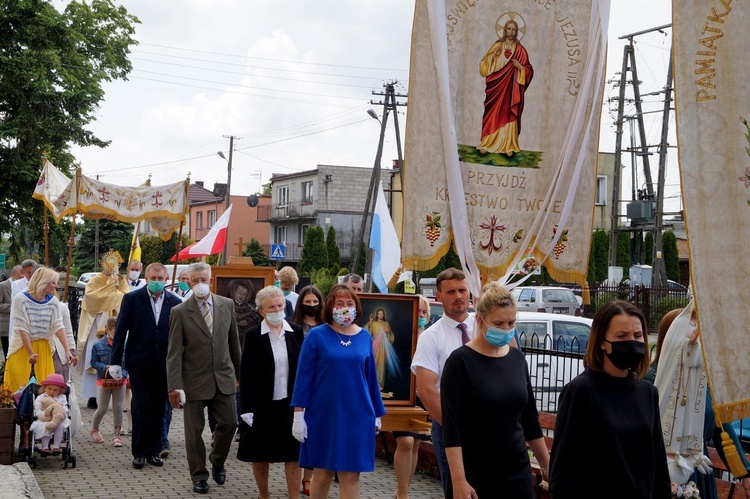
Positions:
{"x": 307, "y": 192}
{"x": 280, "y": 234}
{"x": 211, "y": 218}
{"x": 601, "y": 190}
{"x": 303, "y": 232}
{"x": 199, "y": 220}
{"x": 283, "y": 195}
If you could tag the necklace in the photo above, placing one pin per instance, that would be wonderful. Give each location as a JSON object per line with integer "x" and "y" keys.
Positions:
{"x": 345, "y": 343}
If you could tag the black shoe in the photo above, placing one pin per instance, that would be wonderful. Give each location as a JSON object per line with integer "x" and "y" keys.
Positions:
{"x": 219, "y": 475}
{"x": 154, "y": 461}
{"x": 91, "y": 404}
{"x": 200, "y": 487}
{"x": 139, "y": 462}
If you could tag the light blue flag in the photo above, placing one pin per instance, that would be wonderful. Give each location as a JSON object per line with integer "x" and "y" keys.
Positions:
{"x": 384, "y": 243}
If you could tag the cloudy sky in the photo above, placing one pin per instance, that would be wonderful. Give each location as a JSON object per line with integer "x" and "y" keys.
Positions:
{"x": 292, "y": 81}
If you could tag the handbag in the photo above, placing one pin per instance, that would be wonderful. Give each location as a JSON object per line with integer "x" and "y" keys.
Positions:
{"x": 109, "y": 383}
{"x": 25, "y": 407}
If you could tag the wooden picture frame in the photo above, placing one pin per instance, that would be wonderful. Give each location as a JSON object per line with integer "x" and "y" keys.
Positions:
{"x": 230, "y": 279}
{"x": 398, "y": 385}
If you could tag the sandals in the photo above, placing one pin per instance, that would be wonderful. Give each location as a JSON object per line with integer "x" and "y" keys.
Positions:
{"x": 306, "y": 487}
{"x": 56, "y": 451}
{"x": 97, "y": 437}
{"x": 116, "y": 441}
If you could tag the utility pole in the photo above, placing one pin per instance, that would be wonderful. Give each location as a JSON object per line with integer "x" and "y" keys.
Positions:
{"x": 96, "y": 242}
{"x": 389, "y": 105}
{"x": 227, "y": 194}
{"x": 659, "y": 271}
{"x": 616, "y": 181}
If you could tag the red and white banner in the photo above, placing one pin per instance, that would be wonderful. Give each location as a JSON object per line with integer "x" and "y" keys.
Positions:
{"x": 211, "y": 244}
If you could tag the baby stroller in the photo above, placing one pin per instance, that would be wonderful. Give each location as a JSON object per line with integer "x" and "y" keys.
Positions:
{"x": 28, "y": 417}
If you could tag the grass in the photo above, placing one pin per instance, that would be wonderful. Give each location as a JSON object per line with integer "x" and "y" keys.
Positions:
{"x": 521, "y": 159}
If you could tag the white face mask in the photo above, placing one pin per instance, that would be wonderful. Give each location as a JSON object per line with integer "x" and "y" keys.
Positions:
{"x": 134, "y": 275}
{"x": 201, "y": 290}
{"x": 275, "y": 318}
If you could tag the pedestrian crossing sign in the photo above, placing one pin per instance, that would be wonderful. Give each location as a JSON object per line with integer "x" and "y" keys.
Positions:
{"x": 278, "y": 251}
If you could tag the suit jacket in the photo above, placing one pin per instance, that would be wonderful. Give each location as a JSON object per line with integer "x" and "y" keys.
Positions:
{"x": 258, "y": 367}
{"x": 146, "y": 340}
{"x": 5, "y": 302}
{"x": 198, "y": 361}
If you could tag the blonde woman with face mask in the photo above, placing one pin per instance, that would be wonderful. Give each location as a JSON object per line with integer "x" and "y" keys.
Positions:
{"x": 487, "y": 376}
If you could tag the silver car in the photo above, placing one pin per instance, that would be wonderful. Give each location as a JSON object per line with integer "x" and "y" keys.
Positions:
{"x": 553, "y": 346}
{"x": 555, "y": 300}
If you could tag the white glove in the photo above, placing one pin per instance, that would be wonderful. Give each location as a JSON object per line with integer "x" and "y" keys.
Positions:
{"x": 247, "y": 418}
{"x": 704, "y": 465}
{"x": 377, "y": 423}
{"x": 299, "y": 427}
{"x": 115, "y": 372}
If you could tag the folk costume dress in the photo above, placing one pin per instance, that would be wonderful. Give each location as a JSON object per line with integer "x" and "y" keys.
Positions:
{"x": 489, "y": 411}
{"x": 337, "y": 385}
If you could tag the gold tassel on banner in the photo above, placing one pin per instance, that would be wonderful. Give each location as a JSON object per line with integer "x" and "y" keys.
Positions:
{"x": 736, "y": 467}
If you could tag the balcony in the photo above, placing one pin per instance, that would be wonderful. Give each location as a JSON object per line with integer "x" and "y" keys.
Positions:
{"x": 306, "y": 208}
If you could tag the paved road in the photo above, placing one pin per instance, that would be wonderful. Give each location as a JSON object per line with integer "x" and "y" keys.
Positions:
{"x": 104, "y": 471}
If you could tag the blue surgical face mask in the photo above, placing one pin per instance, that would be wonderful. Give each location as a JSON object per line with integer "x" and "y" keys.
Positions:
{"x": 156, "y": 286}
{"x": 421, "y": 322}
{"x": 286, "y": 292}
{"x": 184, "y": 286}
{"x": 499, "y": 337}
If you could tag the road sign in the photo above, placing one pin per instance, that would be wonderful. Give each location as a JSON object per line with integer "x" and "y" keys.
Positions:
{"x": 278, "y": 251}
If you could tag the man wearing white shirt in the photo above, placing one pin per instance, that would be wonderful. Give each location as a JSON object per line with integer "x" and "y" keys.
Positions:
{"x": 134, "y": 275}
{"x": 28, "y": 267}
{"x": 434, "y": 345}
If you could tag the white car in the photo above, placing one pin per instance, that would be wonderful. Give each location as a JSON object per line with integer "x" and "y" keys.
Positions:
{"x": 551, "y": 299}
{"x": 553, "y": 345}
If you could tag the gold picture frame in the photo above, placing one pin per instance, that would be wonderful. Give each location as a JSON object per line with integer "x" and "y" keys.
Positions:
{"x": 241, "y": 282}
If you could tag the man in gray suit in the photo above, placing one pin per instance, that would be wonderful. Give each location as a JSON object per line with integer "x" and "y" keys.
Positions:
{"x": 5, "y": 302}
{"x": 203, "y": 365}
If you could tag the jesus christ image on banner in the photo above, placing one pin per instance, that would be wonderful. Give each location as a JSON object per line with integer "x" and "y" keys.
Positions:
{"x": 507, "y": 72}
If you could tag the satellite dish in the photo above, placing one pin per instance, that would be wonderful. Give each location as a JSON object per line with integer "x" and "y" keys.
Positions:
{"x": 252, "y": 201}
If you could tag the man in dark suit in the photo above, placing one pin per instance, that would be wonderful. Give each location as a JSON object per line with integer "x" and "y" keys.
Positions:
{"x": 203, "y": 366}
{"x": 144, "y": 322}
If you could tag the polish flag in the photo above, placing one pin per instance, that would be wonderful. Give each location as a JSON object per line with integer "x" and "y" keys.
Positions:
{"x": 211, "y": 244}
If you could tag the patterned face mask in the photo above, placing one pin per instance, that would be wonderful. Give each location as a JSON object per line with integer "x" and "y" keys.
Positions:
{"x": 344, "y": 316}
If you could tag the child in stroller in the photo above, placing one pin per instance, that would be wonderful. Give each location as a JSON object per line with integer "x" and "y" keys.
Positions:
{"x": 51, "y": 412}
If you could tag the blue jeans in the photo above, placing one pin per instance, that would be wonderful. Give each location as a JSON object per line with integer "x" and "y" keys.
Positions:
{"x": 166, "y": 422}
{"x": 438, "y": 446}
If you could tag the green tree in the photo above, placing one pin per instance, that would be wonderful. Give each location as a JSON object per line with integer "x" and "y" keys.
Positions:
{"x": 323, "y": 280}
{"x": 112, "y": 234}
{"x": 255, "y": 251}
{"x": 314, "y": 252}
{"x": 52, "y": 67}
{"x": 601, "y": 254}
{"x": 334, "y": 255}
{"x": 671, "y": 255}
{"x": 623, "y": 251}
{"x": 648, "y": 248}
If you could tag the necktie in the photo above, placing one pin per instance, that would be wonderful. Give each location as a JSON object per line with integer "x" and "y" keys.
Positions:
{"x": 464, "y": 332}
{"x": 207, "y": 317}
{"x": 134, "y": 283}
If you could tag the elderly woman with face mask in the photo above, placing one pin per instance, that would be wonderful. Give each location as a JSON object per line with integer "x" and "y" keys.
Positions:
{"x": 267, "y": 373}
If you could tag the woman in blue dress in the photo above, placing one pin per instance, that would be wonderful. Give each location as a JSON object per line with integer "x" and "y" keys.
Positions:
{"x": 336, "y": 398}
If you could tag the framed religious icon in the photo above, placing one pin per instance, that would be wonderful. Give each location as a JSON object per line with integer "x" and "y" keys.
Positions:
{"x": 241, "y": 283}
{"x": 391, "y": 320}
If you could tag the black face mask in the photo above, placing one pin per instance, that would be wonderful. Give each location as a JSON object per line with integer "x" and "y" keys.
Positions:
{"x": 311, "y": 310}
{"x": 626, "y": 354}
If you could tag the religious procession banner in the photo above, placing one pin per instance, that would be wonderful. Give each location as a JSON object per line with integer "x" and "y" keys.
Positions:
{"x": 163, "y": 206}
{"x": 711, "y": 40}
{"x": 501, "y": 142}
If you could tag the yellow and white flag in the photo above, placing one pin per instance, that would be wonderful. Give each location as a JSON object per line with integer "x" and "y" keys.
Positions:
{"x": 135, "y": 245}
{"x": 502, "y": 137}
{"x": 712, "y": 97}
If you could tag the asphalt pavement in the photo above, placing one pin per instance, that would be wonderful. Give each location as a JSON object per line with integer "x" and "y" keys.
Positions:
{"x": 105, "y": 471}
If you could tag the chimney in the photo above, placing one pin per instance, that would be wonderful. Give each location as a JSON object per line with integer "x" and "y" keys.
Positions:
{"x": 199, "y": 183}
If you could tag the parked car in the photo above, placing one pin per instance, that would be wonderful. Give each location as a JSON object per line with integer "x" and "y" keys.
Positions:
{"x": 436, "y": 312}
{"x": 85, "y": 278}
{"x": 553, "y": 345}
{"x": 556, "y": 300}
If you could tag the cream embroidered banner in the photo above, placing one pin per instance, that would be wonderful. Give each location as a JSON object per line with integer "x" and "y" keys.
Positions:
{"x": 163, "y": 206}
{"x": 502, "y": 136}
{"x": 712, "y": 86}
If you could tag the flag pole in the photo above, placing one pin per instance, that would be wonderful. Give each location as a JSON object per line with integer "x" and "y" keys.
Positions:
{"x": 72, "y": 238}
{"x": 178, "y": 245}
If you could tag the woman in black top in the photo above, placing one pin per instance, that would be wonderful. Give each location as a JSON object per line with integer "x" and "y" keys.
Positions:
{"x": 608, "y": 440}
